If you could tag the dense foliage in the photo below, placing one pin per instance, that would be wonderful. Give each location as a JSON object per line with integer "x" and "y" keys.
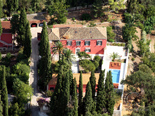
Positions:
{"x": 110, "y": 34}
{"x": 45, "y": 61}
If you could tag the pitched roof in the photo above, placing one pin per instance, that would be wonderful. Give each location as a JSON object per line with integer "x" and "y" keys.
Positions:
{"x": 81, "y": 33}
{"x": 6, "y": 25}
{"x": 85, "y": 79}
{"x": 67, "y": 25}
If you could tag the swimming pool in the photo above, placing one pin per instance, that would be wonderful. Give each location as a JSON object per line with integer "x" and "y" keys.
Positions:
{"x": 115, "y": 76}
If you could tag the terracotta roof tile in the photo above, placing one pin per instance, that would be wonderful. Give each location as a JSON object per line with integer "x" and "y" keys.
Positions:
{"x": 65, "y": 25}
{"x": 82, "y": 33}
{"x": 6, "y": 25}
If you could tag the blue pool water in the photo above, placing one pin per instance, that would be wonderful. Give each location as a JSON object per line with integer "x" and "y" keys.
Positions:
{"x": 115, "y": 76}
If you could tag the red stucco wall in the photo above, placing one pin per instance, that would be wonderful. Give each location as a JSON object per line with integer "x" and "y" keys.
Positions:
{"x": 6, "y": 37}
{"x": 95, "y": 49}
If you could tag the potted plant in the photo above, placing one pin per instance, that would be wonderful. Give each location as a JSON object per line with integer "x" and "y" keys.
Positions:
{"x": 114, "y": 56}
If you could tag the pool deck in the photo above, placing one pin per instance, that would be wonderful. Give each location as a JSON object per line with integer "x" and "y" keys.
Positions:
{"x": 107, "y": 61}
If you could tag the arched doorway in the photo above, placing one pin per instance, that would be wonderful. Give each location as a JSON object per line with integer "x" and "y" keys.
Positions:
{"x": 34, "y": 25}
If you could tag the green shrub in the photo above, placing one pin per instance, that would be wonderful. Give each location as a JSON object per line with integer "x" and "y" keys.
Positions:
{"x": 111, "y": 40}
{"x": 133, "y": 59}
{"x": 73, "y": 19}
{"x": 82, "y": 55}
{"x": 97, "y": 58}
{"x": 49, "y": 93}
{"x": 92, "y": 24}
{"x": 86, "y": 17}
{"x": 110, "y": 33}
{"x": 87, "y": 65}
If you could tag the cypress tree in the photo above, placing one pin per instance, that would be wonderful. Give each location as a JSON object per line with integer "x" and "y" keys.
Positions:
{"x": 45, "y": 53}
{"x": 109, "y": 89}
{"x": 100, "y": 105}
{"x": 88, "y": 99}
{"x": 65, "y": 96}
{"x": 1, "y": 29}
{"x": 22, "y": 27}
{"x": 74, "y": 98}
{"x": 93, "y": 84}
{"x": 80, "y": 94}
{"x": 55, "y": 103}
{"x": 1, "y": 107}
{"x": 27, "y": 43}
{"x": 71, "y": 81}
{"x": 4, "y": 93}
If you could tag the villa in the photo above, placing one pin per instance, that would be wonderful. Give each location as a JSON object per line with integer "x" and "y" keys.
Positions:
{"x": 93, "y": 41}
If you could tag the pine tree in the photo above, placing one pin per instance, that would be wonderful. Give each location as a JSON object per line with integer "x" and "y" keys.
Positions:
{"x": 1, "y": 9}
{"x": 4, "y": 92}
{"x": 97, "y": 8}
{"x": 88, "y": 99}
{"x": 80, "y": 94}
{"x": 74, "y": 98}
{"x": 1, "y": 29}
{"x": 1, "y": 107}
{"x": 55, "y": 103}
{"x": 101, "y": 94}
{"x": 45, "y": 53}
{"x": 109, "y": 89}
{"x": 27, "y": 43}
{"x": 93, "y": 83}
{"x": 22, "y": 27}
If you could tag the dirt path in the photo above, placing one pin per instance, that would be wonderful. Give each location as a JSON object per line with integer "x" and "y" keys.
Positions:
{"x": 34, "y": 74}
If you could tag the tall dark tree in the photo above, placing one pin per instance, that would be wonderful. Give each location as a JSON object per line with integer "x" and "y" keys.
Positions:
{"x": 4, "y": 92}
{"x": 27, "y": 42}
{"x": 22, "y": 27}
{"x": 80, "y": 94}
{"x": 71, "y": 81}
{"x": 1, "y": 29}
{"x": 1, "y": 107}
{"x": 88, "y": 99}
{"x": 101, "y": 95}
{"x": 14, "y": 23}
{"x": 44, "y": 51}
{"x": 57, "y": 95}
{"x": 74, "y": 98}
{"x": 93, "y": 83}
{"x": 66, "y": 94}
{"x": 10, "y": 6}
{"x": 109, "y": 89}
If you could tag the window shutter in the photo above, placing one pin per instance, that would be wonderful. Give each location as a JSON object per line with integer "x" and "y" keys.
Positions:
{"x": 89, "y": 43}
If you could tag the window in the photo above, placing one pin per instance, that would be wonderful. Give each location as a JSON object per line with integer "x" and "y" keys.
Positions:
{"x": 78, "y": 43}
{"x": 77, "y": 50}
{"x": 41, "y": 24}
{"x": 99, "y": 43}
{"x": 87, "y": 43}
{"x": 69, "y": 43}
{"x": 87, "y": 50}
